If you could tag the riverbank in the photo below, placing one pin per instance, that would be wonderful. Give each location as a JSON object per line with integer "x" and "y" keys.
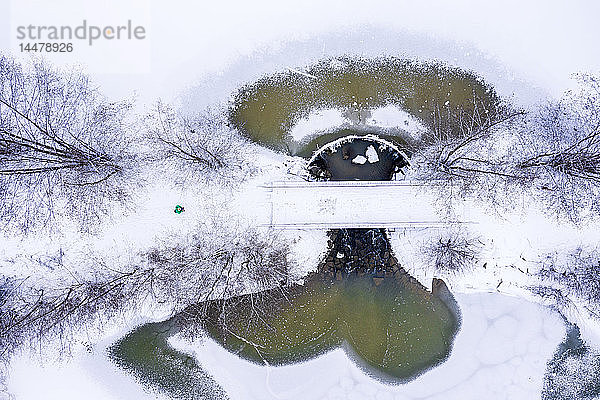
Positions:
{"x": 501, "y": 350}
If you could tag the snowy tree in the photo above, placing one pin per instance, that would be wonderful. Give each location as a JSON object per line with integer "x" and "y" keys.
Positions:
{"x": 577, "y": 274}
{"x": 558, "y": 150}
{"x": 202, "y": 145}
{"x": 468, "y": 156}
{"x": 63, "y": 148}
{"x": 551, "y": 153}
{"x": 452, "y": 252}
{"x": 218, "y": 260}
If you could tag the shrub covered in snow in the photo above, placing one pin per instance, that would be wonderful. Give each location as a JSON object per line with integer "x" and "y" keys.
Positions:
{"x": 452, "y": 251}
{"x": 202, "y": 145}
{"x": 577, "y": 274}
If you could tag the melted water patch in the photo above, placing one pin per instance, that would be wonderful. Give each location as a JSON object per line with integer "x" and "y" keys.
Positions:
{"x": 437, "y": 96}
{"x": 392, "y": 328}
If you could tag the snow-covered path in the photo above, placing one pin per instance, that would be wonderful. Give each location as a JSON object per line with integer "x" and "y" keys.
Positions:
{"x": 354, "y": 204}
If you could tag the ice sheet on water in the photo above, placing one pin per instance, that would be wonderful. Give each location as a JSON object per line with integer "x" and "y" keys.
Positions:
{"x": 372, "y": 155}
{"x": 359, "y": 159}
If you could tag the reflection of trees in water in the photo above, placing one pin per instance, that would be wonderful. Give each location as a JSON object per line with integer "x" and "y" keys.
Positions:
{"x": 388, "y": 324}
{"x": 360, "y": 298}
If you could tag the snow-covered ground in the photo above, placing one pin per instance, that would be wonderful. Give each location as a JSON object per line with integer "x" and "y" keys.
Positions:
{"x": 510, "y": 42}
{"x": 389, "y": 116}
{"x": 151, "y": 219}
{"x": 502, "y": 347}
{"x": 316, "y": 121}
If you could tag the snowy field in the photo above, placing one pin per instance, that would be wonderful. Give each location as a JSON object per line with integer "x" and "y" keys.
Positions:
{"x": 197, "y": 54}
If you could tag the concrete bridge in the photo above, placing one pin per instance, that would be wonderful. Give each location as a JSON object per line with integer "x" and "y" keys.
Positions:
{"x": 357, "y": 204}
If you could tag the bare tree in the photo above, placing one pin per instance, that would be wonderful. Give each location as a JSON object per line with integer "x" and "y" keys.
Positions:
{"x": 453, "y": 251}
{"x": 37, "y": 315}
{"x": 62, "y": 146}
{"x": 551, "y": 153}
{"x": 213, "y": 264}
{"x": 464, "y": 151}
{"x": 202, "y": 145}
{"x": 558, "y": 150}
{"x": 574, "y": 370}
{"x": 576, "y": 273}
{"x": 218, "y": 261}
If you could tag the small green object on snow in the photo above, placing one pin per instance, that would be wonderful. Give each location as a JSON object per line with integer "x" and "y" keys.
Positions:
{"x": 179, "y": 209}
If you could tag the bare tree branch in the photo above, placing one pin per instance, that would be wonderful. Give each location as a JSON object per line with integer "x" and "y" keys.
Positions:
{"x": 59, "y": 141}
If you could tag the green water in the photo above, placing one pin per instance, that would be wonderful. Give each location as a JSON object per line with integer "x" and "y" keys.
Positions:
{"x": 442, "y": 98}
{"x": 145, "y": 353}
{"x": 394, "y": 330}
